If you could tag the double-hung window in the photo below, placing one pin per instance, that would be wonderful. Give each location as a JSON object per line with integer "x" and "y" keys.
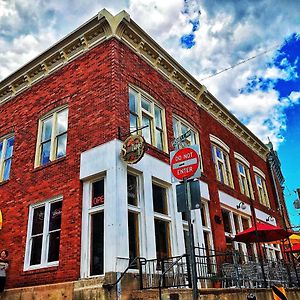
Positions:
{"x": 43, "y": 237}
{"x": 244, "y": 175}
{"x": 52, "y": 137}
{"x": 261, "y": 187}
{"x": 96, "y": 223}
{"x": 161, "y": 221}
{"x": 220, "y": 154}
{"x": 6, "y": 152}
{"x": 181, "y": 127}
{"x": 147, "y": 118}
{"x": 133, "y": 216}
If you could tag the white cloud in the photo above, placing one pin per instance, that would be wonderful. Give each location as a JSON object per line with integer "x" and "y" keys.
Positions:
{"x": 230, "y": 31}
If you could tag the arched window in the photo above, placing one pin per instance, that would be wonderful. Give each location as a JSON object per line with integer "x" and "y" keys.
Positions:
{"x": 220, "y": 154}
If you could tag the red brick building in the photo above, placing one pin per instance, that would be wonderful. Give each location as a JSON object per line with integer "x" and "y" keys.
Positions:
{"x": 71, "y": 207}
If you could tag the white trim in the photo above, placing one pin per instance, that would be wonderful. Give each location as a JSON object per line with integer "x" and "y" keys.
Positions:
{"x": 4, "y": 140}
{"x": 45, "y": 235}
{"x": 241, "y": 159}
{"x": 233, "y": 203}
{"x": 259, "y": 172}
{"x": 219, "y": 142}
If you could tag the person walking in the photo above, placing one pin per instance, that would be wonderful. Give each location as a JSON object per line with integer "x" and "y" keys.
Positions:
{"x": 3, "y": 268}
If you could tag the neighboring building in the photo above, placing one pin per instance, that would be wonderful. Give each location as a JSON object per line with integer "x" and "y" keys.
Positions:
{"x": 72, "y": 208}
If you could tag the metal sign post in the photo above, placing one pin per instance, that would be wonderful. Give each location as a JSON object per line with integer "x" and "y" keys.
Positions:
{"x": 185, "y": 164}
{"x": 192, "y": 259}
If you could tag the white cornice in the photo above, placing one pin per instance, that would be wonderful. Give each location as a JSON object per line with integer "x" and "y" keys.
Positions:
{"x": 105, "y": 26}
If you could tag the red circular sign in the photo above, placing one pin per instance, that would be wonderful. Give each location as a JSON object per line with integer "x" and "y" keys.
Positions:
{"x": 184, "y": 163}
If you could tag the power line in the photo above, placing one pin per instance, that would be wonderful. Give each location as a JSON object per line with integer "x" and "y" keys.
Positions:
{"x": 289, "y": 191}
{"x": 241, "y": 62}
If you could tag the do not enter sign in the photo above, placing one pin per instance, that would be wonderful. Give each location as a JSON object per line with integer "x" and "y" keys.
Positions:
{"x": 185, "y": 163}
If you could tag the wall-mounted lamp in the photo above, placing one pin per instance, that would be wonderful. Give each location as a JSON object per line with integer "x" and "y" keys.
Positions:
{"x": 270, "y": 218}
{"x": 241, "y": 205}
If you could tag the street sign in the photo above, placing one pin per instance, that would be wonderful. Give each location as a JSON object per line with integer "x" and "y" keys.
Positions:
{"x": 180, "y": 142}
{"x": 185, "y": 163}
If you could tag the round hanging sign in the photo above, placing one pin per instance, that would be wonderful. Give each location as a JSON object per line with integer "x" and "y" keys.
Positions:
{"x": 133, "y": 149}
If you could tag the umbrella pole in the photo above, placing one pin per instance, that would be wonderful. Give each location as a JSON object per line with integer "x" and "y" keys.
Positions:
{"x": 260, "y": 256}
{"x": 261, "y": 260}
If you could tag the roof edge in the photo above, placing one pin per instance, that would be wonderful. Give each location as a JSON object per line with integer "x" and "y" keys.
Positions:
{"x": 102, "y": 27}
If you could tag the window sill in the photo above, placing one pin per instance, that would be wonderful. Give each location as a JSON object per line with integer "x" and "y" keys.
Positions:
{"x": 54, "y": 162}
{"x": 39, "y": 270}
{"x": 4, "y": 182}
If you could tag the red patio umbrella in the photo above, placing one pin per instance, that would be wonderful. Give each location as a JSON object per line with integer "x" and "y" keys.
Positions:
{"x": 262, "y": 233}
{"x": 295, "y": 249}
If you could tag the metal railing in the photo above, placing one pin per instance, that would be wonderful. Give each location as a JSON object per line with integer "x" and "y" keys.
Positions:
{"x": 135, "y": 263}
{"x": 214, "y": 269}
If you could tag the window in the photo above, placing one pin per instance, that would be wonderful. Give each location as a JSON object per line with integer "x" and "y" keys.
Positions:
{"x": 52, "y": 137}
{"x": 262, "y": 191}
{"x": 220, "y": 154}
{"x": 161, "y": 221}
{"x": 96, "y": 213}
{"x": 43, "y": 237}
{"x": 133, "y": 216}
{"x": 272, "y": 252}
{"x": 6, "y": 152}
{"x": 260, "y": 180}
{"x": 180, "y": 127}
{"x": 233, "y": 224}
{"x": 244, "y": 180}
{"x": 206, "y": 228}
{"x": 144, "y": 112}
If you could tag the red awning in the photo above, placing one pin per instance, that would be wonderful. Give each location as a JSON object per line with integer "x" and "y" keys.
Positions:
{"x": 263, "y": 233}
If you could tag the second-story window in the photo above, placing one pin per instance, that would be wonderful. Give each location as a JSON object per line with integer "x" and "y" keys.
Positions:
{"x": 180, "y": 127}
{"x": 144, "y": 112}
{"x": 52, "y": 137}
{"x": 262, "y": 190}
{"x": 220, "y": 154}
{"x": 6, "y": 152}
{"x": 244, "y": 175}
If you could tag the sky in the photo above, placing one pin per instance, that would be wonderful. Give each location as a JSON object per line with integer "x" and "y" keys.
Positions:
{"x": 205, "y": 37}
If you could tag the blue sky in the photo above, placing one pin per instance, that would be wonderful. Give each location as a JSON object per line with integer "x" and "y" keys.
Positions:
{"x": 204, "y": 36}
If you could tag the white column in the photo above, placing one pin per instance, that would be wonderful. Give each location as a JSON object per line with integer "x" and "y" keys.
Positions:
{"x": 148, "y": 218}
{"x": 115, "y": 213}
{"x": 178, "y": 247}
{"x": 84, "y": 264}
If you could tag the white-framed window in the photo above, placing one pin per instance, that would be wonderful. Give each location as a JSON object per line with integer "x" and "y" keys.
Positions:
{"x": 220, "y": 154}
{"x": 96, "y": 227}
{"x": 147, "y": 114}
{"x": 261, "y": 187}
{"x": 6, "y": 152}
{"x": 180, "y": 127}
{"x": 206, "y": 226}
{"x": 134, "y": 213}
{"x": 233, "y": 224}
{"x": 244, "y": 179}
{"x": 43, "y": 234}
{"x": 162, "y": 221}
{"x": 52, "y": 136}
{"x": 272, "y": 252}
